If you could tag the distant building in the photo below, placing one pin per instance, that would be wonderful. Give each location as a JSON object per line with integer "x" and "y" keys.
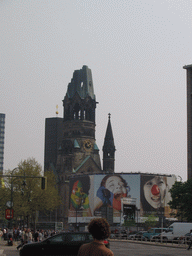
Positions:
{"x": 2, "y": 138}
{"x": 189, "y": 120}
{"x": 70, "y": 143}
{"x": 53, "y": 138}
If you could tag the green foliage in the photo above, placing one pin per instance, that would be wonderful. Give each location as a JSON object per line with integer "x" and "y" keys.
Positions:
{"x": 151, "y": 221}
{"x": 4, "y": 198}
{"x": 181, "y": 193}
{"x": 24, "y": 188}
{"x": 129, "y": 223}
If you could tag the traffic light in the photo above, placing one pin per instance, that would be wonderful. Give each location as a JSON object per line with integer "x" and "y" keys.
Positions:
{"x": 44, "y": 183}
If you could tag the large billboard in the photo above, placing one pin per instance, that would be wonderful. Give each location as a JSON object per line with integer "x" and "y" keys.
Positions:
{"x": 155, "y": 194}
{"x": 101, "y": 195}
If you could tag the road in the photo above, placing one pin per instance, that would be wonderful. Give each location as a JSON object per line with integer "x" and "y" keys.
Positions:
{"x": 124, "y": 248}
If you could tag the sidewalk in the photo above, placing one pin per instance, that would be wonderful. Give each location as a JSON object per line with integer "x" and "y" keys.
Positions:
{"x": 173, "y": 245}
{"x": 3, "y": 245}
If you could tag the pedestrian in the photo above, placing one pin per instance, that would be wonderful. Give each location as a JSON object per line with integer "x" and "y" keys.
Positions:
{"x": 100, "y": 230}
{"x": 10, "y": 240}
{"x": 40, "y": 235}
{"x": 18, "y": 234}
{"x": 29, "y": 236}
{"x": 1, "y": 234}
{"x": 5, "y": 233}
{"x": 190, "y": 243}
{"x": 36, "y": 236}
{"x": 23, "y": 238}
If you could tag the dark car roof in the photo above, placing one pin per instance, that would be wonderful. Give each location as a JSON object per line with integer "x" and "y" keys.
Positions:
{"x": 73, "y": 232}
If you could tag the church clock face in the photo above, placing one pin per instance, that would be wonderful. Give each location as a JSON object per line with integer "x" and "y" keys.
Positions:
{"x": 87, "y": 145}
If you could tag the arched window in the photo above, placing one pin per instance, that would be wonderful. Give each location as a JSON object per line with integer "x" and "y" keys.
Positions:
{"x": 76, "y": 112}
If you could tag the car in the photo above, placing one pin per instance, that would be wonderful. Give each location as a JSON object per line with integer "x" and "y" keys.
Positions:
{"x": 139, "y": 235}
{"x": 61, "y": 244}
{"x": 156, "y": 238}
{"x": 183, "y": 239}
{"x": 136, "y": 236}
{"x": 132, "y": 235}
{"x": 147, "y": 236}
{"x": 123, "y": 234}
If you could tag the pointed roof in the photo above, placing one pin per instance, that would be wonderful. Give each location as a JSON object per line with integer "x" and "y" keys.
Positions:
{"x": 86, "y": 164}
{"x": 109, "y": 141}
{"x": 81, "y": 83}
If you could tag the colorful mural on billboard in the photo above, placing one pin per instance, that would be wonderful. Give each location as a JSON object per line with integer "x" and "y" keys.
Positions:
{"x": 155, "y": 194}
{"x": 100, "y": 195}
{"x": 79, "y": 197}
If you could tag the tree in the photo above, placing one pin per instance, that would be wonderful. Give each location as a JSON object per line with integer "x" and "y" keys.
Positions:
{"x": 4, "y": 198}
{"x": 24, "y": 189}
{"x": 129, "y": 223}
{"x": 181, "y": 193}
{"x": 151, "y": 221}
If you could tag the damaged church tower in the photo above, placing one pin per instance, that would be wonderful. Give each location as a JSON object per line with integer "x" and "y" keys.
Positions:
{"x": 78, "y": 152}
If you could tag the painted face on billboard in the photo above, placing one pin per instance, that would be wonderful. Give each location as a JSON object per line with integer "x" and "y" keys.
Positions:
{"x": 154, "y": 191}
{"x": 115, "y": 185}
{"x": 79, "y": 197}
{"x": 77, "y": 194}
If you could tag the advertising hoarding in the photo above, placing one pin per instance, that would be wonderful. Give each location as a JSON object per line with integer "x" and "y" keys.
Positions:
{"x": 100, "y": 195}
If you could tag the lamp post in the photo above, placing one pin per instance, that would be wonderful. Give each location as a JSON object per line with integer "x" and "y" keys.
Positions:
{"x": 11, "y": 204}
{"x": 76, "y": 218}
{"x": 138, "y": 210}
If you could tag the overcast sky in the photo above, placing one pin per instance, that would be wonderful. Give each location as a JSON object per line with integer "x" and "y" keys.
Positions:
{"x": 136, "y": 50}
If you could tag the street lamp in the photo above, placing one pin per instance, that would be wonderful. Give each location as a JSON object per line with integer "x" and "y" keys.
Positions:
{"x": 138, "y": 210}
{"x": 11, "y": 204}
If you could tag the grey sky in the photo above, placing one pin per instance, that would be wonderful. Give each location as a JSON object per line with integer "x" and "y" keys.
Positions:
{"x": 136, "y": 51}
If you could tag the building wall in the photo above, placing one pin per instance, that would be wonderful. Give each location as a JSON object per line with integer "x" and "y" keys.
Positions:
{"x": 189, "y": 119}
{"x": 53, "y": 138}
{"x": 2, "y": 138}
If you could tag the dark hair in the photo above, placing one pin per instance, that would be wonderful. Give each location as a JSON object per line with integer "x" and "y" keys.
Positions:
{"x": 99, "y": 228}
{"x": 115, "y": 175}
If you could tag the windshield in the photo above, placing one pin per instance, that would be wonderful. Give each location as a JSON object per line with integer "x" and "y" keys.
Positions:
{"x": 169, "y": 229}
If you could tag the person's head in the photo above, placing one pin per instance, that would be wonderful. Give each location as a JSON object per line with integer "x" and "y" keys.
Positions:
{"x": 99, "y": 228}
{"x": 155, "y": 190}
